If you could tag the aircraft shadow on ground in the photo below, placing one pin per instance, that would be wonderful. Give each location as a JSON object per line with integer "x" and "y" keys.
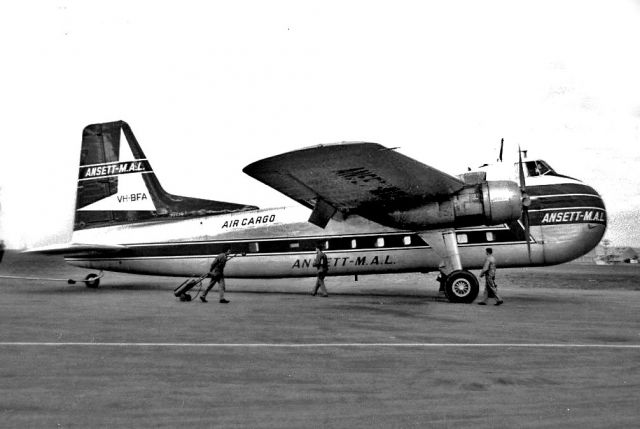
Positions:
{"x": 409, "y": 297}
{"x": 79, "y": 289}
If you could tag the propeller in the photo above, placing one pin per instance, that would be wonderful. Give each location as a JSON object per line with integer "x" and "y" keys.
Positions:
{"x": 526, "y": 202}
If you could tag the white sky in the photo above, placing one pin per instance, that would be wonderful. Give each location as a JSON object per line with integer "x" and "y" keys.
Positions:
{"x": 209, "y": 87}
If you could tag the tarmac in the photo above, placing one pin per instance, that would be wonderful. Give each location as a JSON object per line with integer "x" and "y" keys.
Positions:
{"x": 386, "y": 351}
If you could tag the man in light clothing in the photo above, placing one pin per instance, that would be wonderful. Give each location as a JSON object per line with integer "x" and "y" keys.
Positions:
{"x": 489, "y": 273}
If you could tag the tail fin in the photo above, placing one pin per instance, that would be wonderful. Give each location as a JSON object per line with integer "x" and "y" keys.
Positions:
{"x": 116, "y": 183}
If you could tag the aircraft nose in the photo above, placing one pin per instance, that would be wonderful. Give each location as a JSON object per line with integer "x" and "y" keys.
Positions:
{"x": 575, "y": 227}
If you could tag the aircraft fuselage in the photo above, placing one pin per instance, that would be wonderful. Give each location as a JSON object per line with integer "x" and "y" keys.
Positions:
{"x": 567, "y": 219}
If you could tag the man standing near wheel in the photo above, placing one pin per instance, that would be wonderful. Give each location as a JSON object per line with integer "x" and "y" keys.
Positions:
{"x": 489, "y": 273}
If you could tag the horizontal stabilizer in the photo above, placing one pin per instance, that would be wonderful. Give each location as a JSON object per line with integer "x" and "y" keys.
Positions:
{"x": 73, "y": 248}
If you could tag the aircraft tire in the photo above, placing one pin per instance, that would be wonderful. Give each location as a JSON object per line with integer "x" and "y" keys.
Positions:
{"x": 92, "y": 281}
{"x": 461, "y": 287}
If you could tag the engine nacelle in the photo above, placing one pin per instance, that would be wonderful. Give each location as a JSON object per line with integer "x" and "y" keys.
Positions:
{"x": 487, "y": 203}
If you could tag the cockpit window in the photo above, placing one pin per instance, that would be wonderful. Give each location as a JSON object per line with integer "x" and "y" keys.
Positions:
{"x": 538, "y": 168}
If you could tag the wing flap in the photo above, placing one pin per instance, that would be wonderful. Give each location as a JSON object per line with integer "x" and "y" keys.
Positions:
{"x": 354, "y": 177}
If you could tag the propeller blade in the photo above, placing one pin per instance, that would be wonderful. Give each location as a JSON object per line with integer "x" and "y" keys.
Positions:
{"x": 521, "y": 170}
{"x": 525, "y": 218}
{"x": 501, "y": 146}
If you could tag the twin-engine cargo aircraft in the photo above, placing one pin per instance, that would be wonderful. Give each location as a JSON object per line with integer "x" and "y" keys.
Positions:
{"x": 374, "y": 210}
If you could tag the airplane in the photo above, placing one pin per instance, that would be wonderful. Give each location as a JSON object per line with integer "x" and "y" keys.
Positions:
{"x": 373, "y": 209}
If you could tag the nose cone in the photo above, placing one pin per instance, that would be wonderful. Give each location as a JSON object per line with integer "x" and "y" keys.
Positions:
{"x": 576, "y": 231}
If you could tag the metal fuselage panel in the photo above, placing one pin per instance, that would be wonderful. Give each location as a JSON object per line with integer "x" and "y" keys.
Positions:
{"x": 568, "y": 219}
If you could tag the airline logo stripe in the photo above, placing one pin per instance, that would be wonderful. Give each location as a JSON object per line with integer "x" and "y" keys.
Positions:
{"x": 564, "y": 196}
{"x": 570, "y": 215}
{"x": 113, "y": 169}
{"x": 560, "y": 188}
{"x": 566, "y": 202}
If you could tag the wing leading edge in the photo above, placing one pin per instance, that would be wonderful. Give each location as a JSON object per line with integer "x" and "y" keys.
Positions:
{"x": 363, "y": 178}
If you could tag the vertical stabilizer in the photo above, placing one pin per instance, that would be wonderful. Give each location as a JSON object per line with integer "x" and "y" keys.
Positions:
{"x": 116, "y": 183}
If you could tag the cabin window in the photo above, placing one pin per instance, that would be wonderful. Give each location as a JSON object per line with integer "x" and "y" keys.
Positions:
{"x": 406, "y": 240}
{"x": 490, "y": 236}
{"x": 462, "y": 238}
{"x": 294, "y": 245}
{"x": 326, "y": 245}
{"x": 254, "y": 247}
{"x": 354, "y": 243}
{"x": 379, "y": 242}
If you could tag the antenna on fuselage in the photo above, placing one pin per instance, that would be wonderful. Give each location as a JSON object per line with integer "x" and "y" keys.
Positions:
{"x": 499, "y": 156}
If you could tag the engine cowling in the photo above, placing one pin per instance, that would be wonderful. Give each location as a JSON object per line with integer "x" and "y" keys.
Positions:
{"x": 486, "y": 203}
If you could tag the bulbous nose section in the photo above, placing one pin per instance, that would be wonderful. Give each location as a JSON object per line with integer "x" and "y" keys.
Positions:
{"x": 576, "y": 230}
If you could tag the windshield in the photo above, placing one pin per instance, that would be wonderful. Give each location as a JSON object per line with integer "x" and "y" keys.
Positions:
{"x": 538, "y": 168}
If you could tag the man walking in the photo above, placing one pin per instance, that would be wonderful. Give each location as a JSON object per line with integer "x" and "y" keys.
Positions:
{"x": 489, "y": 273}
{"x": 216, "y": 272}
{"x": 322, "y": 264}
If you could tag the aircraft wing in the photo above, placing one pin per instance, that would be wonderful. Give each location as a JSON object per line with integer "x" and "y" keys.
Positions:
{"x": 362, "y": 178}
{"x": 73, "y": 248}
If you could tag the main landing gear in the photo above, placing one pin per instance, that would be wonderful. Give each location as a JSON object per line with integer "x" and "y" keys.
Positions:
{"x": 459, "y": 285}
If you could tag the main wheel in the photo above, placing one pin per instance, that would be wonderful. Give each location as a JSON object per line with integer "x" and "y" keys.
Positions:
{"x": 92, "y": 281}
{"x": 461, "y": 286}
